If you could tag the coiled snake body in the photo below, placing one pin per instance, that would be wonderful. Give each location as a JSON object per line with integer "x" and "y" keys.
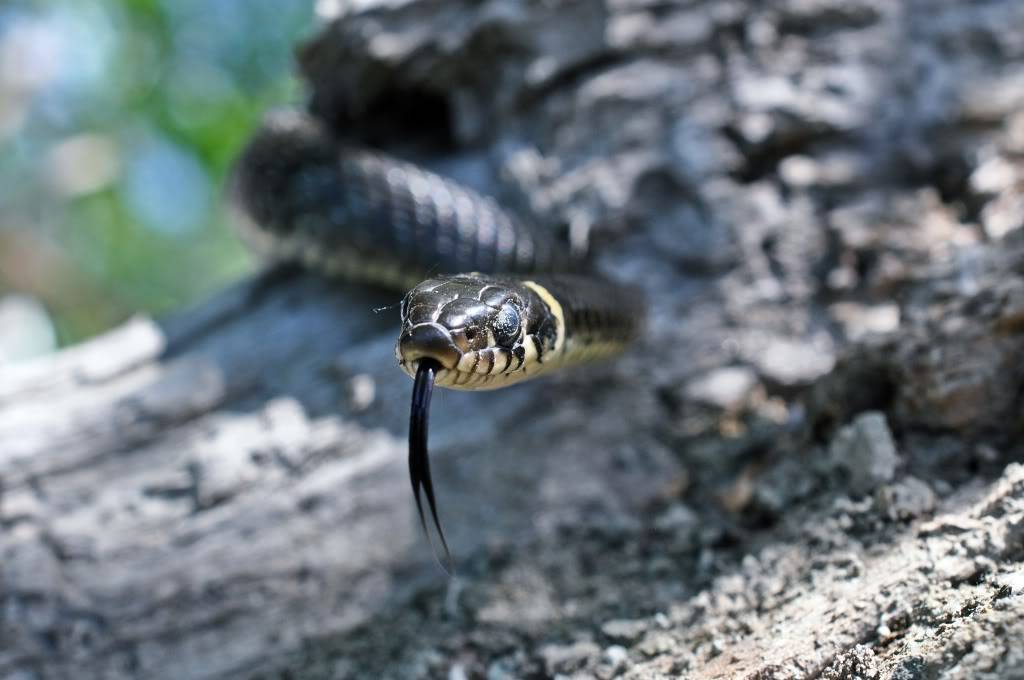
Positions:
{"x": 498, "y": 306}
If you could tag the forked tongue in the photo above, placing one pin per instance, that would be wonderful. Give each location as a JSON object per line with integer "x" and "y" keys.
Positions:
{"x": 419, "y": 459}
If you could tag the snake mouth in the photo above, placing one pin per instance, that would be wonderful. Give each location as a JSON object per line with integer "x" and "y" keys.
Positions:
{"x": 428, "y": 341}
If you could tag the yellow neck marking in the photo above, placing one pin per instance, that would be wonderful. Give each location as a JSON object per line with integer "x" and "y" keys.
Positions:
{"x": 556, "y": 310}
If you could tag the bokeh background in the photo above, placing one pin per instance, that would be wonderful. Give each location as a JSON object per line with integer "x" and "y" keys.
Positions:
{"x": 118, "y": 122}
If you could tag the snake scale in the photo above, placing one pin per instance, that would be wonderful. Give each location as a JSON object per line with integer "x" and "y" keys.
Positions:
{"x": 492, "y": 300}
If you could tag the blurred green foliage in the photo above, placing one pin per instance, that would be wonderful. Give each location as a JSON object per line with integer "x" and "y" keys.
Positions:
{"x": 119, "y": 120}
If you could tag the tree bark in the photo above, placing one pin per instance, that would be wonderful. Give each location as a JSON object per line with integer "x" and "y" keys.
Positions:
{"x": 807, "y": 468}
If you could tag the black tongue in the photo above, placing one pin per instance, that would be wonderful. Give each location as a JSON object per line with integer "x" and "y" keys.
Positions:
{"x": 419, "y": 458}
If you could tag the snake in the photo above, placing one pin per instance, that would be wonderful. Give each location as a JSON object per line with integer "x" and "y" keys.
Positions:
{"x": 490, "y": 299}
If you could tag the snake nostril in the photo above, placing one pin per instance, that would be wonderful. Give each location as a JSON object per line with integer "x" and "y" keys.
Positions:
{"x": 429, "y": 341}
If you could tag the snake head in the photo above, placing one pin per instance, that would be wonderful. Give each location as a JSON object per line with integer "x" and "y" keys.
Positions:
{"x": 484, "y": 332}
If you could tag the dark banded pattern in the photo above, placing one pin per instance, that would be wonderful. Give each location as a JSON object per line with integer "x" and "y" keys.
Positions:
{"x": 302, "y": 196}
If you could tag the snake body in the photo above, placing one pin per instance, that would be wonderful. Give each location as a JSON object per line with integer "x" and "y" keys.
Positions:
{"x": 491, "y": 301}
{"x": 300, "y": 195}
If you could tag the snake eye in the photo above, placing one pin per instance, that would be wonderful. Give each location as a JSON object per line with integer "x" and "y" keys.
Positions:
{"x": 506, "y": 325}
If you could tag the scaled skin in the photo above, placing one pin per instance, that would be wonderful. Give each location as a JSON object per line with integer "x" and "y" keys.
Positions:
{"x": 485, "y": 332}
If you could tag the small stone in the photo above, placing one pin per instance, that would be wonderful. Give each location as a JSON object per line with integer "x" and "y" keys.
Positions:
{"x": 799, "y": 171}
{"x": 727, "y": 388}
{"x": 906, "y": 499}
{"x": 614, "y": 660}
{"x": 1014, "y": 581}
{"x": 361, "y": 391}
{"x": 755, "y": 127}
{"x": 839, "y": 169}
{"x": 865, "y": 449}
{"x": 994, "y": 176}
{"x": 616, "y": 656}
{"x": 624, "y": 630}
{"x": 1003, "y": 215}
{"x": 793, "y": 363}
{"x": 860, "y": 320}
{"x": 568, "y": 658}
{"x": 955, "y": 569}
{"x": 655, "y": 643}
{"x": 950, "y": 524}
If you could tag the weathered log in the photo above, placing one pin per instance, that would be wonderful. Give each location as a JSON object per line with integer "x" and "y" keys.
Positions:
{"x": 806, "y": 469}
